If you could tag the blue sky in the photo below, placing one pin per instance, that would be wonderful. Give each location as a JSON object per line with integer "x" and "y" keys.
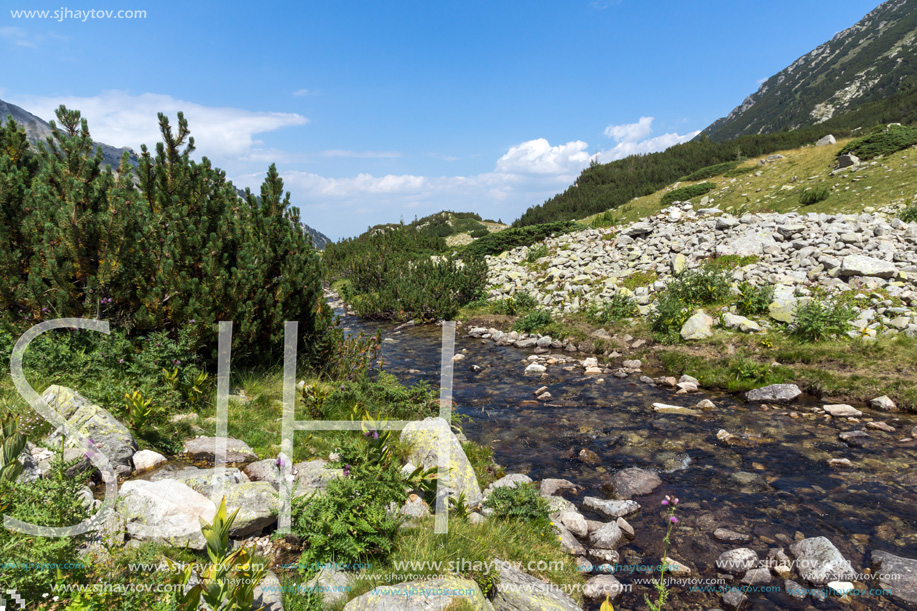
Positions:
{"x": 375, "y": 111}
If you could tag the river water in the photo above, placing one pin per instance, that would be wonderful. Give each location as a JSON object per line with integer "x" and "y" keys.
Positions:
{"x": 776, "y": 487}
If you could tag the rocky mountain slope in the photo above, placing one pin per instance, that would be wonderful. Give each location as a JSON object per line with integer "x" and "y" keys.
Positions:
{"x": 870, "y": 61}
{"x": 872, "y": 253}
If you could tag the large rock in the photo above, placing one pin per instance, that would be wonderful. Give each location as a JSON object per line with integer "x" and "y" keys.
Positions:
{"x": 734, "y": 321}
{"x": 783, "y": 307}
{"x": 818, "y": 561}
{"x": 204, "y": 448}
{"x": 842, "y": 410}
{"x": 268, "y": 596}
{"x": 167, "y": 511}
{"x": 108, "y": 435}
{"x": 266, "y": 470}
{"x": 425, "y": 443}
{"x": 608, "y": 536}
{"x": 518, "y": 591}
{"x": 201, "y": 480}
{"x": 601, "y": 586}
{"x": 752, "y": 242}
{"x": 861, "y": 265}
{"x": 332, "y": 585}
{"x": 826, "y": 141}
{"x": 638, "y": 229}
{"x": 901, "y": 575}
{"x": 144, "y": 460}
{"x": 313, "y": 476}
{"x": 425, "y": 595}
{"x": 611, "y": 509}
{"x": 737, "y": 561}
{"x": 628, "y": 483}
{"x": 775, "y": 393}
{"x": 845, "y": 161}
{"x": 257, "y": 504}
{"x": 699, "y": 326}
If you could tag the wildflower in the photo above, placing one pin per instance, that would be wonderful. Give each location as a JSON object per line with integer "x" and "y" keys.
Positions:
{"x": 279, "y": 462}
{"x": 665, "y": 501}
{"x": 673, "y": 520}
{"x": 346, "y": 470}
{"x": 120, "y": 360}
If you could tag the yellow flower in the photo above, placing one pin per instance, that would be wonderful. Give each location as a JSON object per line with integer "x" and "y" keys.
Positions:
{"x": 607, "y": 606}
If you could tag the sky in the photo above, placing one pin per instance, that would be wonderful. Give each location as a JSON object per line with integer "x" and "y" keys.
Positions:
{"x": 376, "y": 111}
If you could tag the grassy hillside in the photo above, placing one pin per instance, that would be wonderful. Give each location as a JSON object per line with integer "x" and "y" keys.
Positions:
{"x": 777, "y": 186}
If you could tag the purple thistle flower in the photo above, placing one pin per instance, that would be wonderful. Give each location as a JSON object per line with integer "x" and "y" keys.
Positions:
{"x": 665, "y": 501}
{"x": 346, "y": 470}
{"x": 673, "y": 520}
{"x": 279, "y": 462}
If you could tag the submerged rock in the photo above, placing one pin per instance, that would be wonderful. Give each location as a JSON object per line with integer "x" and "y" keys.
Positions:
{"x": 818, "y": 561}
{"x": 775, "y": 393}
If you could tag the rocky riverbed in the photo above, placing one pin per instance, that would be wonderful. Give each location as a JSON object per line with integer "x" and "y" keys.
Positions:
{"x": 762, "y": 474}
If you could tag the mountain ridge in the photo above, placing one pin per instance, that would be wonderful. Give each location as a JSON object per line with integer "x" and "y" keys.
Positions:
{"x": 871, "y": 60}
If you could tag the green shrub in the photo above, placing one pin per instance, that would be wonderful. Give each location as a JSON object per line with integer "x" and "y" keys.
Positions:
{"x": 813, "y": 196}
{"x": 745, "y": 370}
{"x": 909, "y": 214}
{"x": 701, "y": 286}
{"x": 817, "y": 320}
{"x": 520, "y": 303}
{"x": 53, "y": 500}
{"x": 886, "y": 142}
{"x": 533, "y": 321}
{"x": 671, "y": 314}
{"x": 514, "y": 237}
{"x": 167, "y": 246}
{"x": 479, "y": 233}
{"x": 349, "y": 521}
{"x": 618, "y": 307}
{"x": 711, "y": 170}
{"x": 606, "y": 219}
{"x": 537, "y": 252}
{"x": 638, "y": 279}
{"x": 422, "y": 289}
{"x": 740, "y": 171}
{"x": 754, "y": 300}
{"x": 523, "y": 502}
{"x": 683, "y": 194}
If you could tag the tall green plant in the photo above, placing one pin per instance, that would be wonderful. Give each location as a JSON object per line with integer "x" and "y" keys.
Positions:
{"x": 12, "y": 445}
{"x": 229, "y": 582}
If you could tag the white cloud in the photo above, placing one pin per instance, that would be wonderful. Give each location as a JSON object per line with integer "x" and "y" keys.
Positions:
{"x": 630, "y": 132}
{"x": 300, "y": 93}
{"x": 539, "y": 157}
{"x": 16, "y": 36}
{"x": 121, "y": 119}
{"x": 632, "y": 139}
{"x": 361, "y": 154}
{"x": 604, "y": 4}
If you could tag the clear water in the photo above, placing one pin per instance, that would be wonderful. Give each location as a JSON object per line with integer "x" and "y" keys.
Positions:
{"x": 777, "y": 486}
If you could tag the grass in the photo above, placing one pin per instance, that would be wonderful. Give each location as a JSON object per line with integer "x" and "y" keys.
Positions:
{"x": 508, "y": 540}
{"x": 638, "y": 279}
{"x": 892, "y": 180}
